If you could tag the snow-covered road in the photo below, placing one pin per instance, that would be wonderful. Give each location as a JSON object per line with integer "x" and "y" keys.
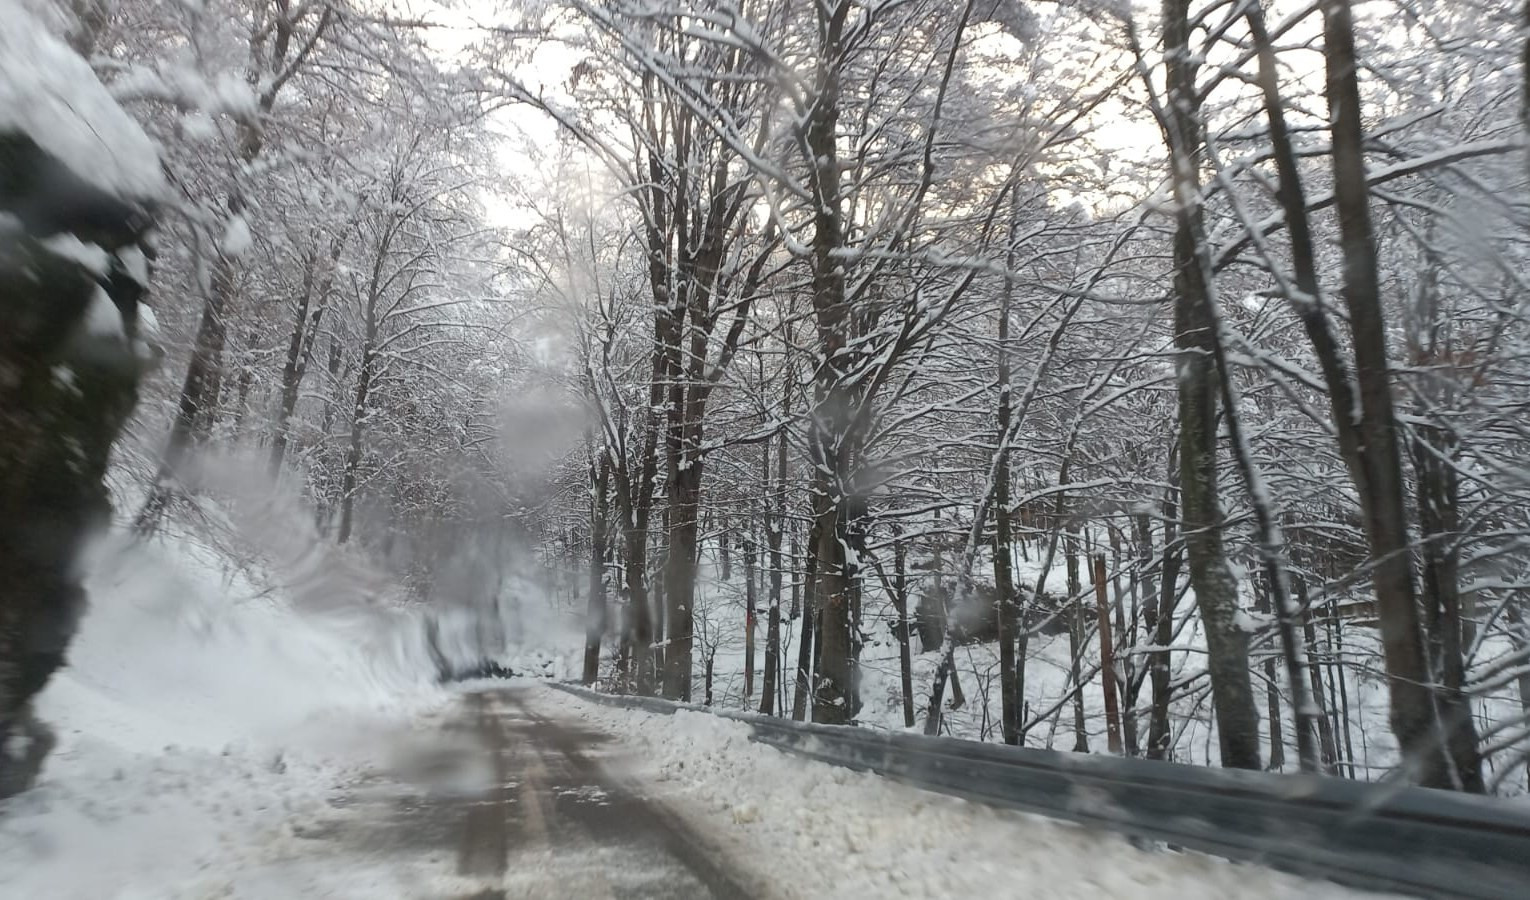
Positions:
{"x": 518, "y": 803}
{"x": 515, "y": 790}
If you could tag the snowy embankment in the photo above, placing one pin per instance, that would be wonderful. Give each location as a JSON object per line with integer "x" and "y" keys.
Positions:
{"x": 204, "y": 716}
{"x": 811, "y": 830}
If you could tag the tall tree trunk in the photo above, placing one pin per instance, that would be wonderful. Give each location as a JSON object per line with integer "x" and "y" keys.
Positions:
{"x": 312, "y": 304}
{"x": 1076, "y": 639}
{"x": 724, "y": 555}
{"x": 198, "y": 398}
{"x": 905, "y": 655}
{"x": 1325, "y": 724}
{"x": 294, "y": 365}
{"x": 835, "y": 394}
{"x": 1271, "y": 689}
{"x": 353, "y": 455}
{"x": 711, "y": 658}
{"x": 806, "y": 650}
{"x": 596, "y": 616}
{"x": 1007, "y": 612}
{"x": 1108, "y": 679}
{"x": 640, "y": 607}
{"x": 1158, "y": 616}
{"x": 1435, "y": 457}
{"x": 751, "y": 600}
{"x": 1414, "y": 715}
{"x": 775, "y": 524}
{"x": 1216, "y": 589}
{"x": 680, "y": 578}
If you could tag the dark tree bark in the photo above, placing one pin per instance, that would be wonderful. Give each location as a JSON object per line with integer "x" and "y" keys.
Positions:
{"x": 1435, "y": 458}
{"x": 312, "y": 303}
{"x": 1194, "y": 336}
{"x": 1325, "y": 724}
{"x": 1108, "y": 679}
{"x": 1007, "y": 613}
{"x": 1277, "y": 759}
{"x": 807, "y": 639}
{"x": 596, "y": 615}
{"x": 1158, "y": 616}
{"x": 902, "y": 629}
{"x": 835, "y": 396}
{"x": 1414, "y": 714}
{"x": 775, "y": 525}
{"x": 1076, "y": 639}
{"x": 751, "y": 600}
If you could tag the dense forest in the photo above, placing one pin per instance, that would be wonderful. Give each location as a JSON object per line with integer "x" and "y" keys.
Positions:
{"x": 1148, "y": 378}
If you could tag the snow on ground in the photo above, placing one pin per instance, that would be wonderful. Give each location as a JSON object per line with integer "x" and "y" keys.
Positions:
{"x": 203, "y": 719}
{"x": 1048, "y": 686}
{"x": 810, "y": 830}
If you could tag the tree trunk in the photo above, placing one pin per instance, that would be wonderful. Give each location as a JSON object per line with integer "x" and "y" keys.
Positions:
{"x": 751, "y": 600}
{"x": 805, "y": 643}
{"x": 1076, "y": 639}
{"x": 639, "y": 608}
{"x": 1271, "y": 690}
{"x": 834, "y": 392}
{"x": 680, "y": 579}
{"x": 711, "y": 657}
{"x": 1216, "y": 589}
{"x": 1007, "y": 612}
{"x": 300, "y": 345}
{"x": 1413, "y": 714}
{"x": 905, "y": 656}
{"x": 353, "y": 454}
{"x": 1325, "y": 725}
{"x": 725, "y": 556}
{"x": 1108, "y": 681}
{"x": 1435, "y": 457}
{"x": 775, "y": 524}
{"x": 198, "y": 394}
{"x": 1158, "y": 616}
{"x": 595, "y": 620}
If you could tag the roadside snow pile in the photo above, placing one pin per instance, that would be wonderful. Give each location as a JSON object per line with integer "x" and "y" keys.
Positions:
{"x": 850, "y": 834}
{"x": 178, "y": 648}
{"x": 199, "y": 719}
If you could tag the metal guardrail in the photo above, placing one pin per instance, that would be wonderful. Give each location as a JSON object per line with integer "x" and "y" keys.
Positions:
{"x": 1379, "y": 837}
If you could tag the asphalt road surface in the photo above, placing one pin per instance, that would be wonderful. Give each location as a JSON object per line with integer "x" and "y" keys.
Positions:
{"x": 530, "y": 808}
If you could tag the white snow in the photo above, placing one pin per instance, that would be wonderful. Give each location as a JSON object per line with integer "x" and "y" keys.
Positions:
{"x": 203, "y": 719}
{"x": 49, "y": 93}
{"x": 102, "y": 319}
{"x": 237, "y": 239}
{"x": 89, "y": 256}
{"x": 814, "y": 830}
{"x": 135, "y": 264}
